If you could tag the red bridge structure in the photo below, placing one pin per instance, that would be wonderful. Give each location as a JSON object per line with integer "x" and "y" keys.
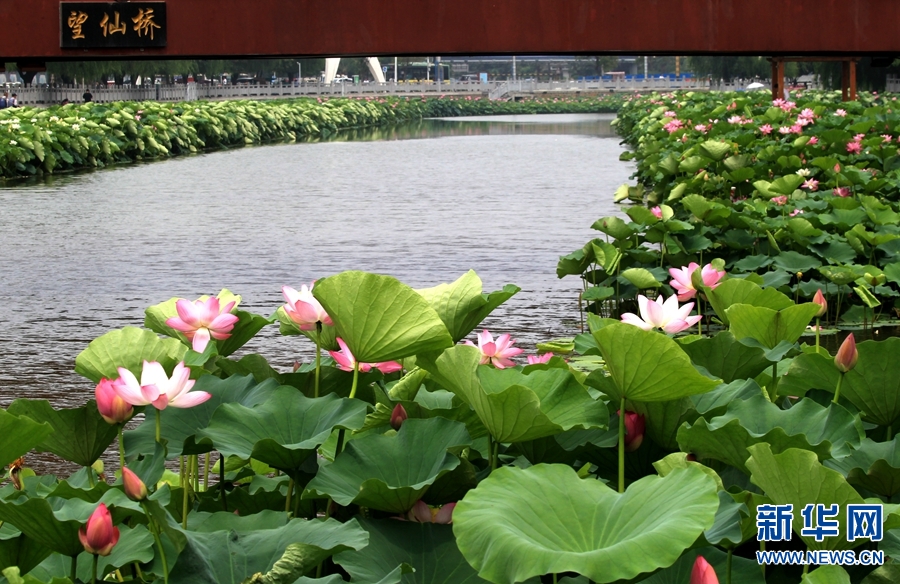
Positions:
{"x": 37, "y": 31}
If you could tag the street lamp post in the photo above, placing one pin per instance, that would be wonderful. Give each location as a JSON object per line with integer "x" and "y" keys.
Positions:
{"x": 299, "y": 73}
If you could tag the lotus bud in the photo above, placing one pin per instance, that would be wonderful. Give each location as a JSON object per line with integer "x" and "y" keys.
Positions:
{"x": 420, "y": 513}
{"x": 703, "y": 573}
{"x": 657, "y": 212}
{"x": 397, "y": 416}
{"x": 296, "y": 366}
{"x": 111, "y": 406}
{"x": 847, "y": 355}
{"x": 819, "y": 299}
{"x": 134, "y": 486}
{"x": 799, "y": 276}
{"x": 445, "y": 514}
{"x": 634, "y": 431}
{"x": 99, "y": 536}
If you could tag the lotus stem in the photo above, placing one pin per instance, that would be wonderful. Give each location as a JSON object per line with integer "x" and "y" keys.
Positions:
{"x": 495, "y": 449}
{"x": 155, "y": 529}
{"x": 837, "y": 390}
{"x": 181, "y": 471}
{"x": 622, "y": 445}
{"x": 290, "y": 493}
{"x": 762, "y": 548}
{"x": 318, "y": 356}
{"x": 206, "y": 472}
{"x": 195, "y": 470}
{"x": 158, "y": 425}
{"x": 554, "y": 577}
{"x": 774, "y": 392}
{"x": 185, "y": 485}
{"x": 700, "y": 312}
{"x": 222, "y": 481}
{"x": 817, "y": 334}
{"x": 94, "y": 569}
{"x": 805, "y": 569}
{"x": 728, "y": 566}
{"x": 121, "y": 446}
{"x": 355, "y": 379}
{"x": 73, "y": 571}
{"x": 90, "y": 474}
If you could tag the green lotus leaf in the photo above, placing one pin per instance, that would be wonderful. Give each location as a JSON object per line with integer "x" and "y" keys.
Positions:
{"x": 606, "y": 255}
{"x": 284, "y": 430}
{"x": 287, "y": 327}
{"x": 737, "y": 291}
{"x": 794, "y": 262}
{"x": 512, "y": 405}
{"x": 614, "y": 227}
{"x": 642, "y": 215}
{"x": 34, "y": 517}
{"x": 428, "y": 548}
{"x": 770, "y": 327}
{"x": 380, "y": 318}
{"x": 455, "y": 410}
{"x": 391, "y": 473}
{"x": 408, "y": 386}
{"x": 886, "y": 574}
{"x": 573, "y": 264}
{"x": 79, "y": 435}
{"x": 873, "y": 385}
{"x": 797, "y": 477}
{"x": 692, "y": 164}
{"x": 230, "y": 557}
{"x": 786, "y": 185}
{"x": 545, "y": 519}
{"x": 180, "y": 426}
{"x": 827, "y": 575}
{"x": 743, "y": 570}
{"x": 872, "y": 465}
{"x": 18, "y": 549}
{"x": 641, "y": 278}
{"x": 128, "y": 347}
{"x": 647, "y": 366}
{"x": 807, "y": 425}
{"x": 19, "y": 434}
{"x": 809, "y": 371}
{"x": 715, "y": 149}
{"x": 462, "y": 305}
{"x": 726, "y": 357}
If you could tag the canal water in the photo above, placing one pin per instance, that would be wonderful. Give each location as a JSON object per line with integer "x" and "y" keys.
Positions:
{"x": 84, "y": 254}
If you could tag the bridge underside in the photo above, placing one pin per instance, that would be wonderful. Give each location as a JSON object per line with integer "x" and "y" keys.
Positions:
{"x": 325, "y": 28}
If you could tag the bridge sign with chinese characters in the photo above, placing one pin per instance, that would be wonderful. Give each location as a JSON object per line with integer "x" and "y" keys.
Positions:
{"x": 98, "y": 25}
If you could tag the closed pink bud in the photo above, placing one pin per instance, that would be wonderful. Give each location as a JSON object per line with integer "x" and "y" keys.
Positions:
{"x": 397, "y": 416}
{"x": 445, "y": 515}
{"x": 847, "y": 355}
{"x": 110, "y": 404}
{"x": 657, "y": 212}
{"x": 134, "y": 486}
{"x": 819, "y": 299}
{"x": 634, "y": 431}
{"x": 420, "y": 513}
{"x": 99, "y": 536}
{"x": 703, "y": 573}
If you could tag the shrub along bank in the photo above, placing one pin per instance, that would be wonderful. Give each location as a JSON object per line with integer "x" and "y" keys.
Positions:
{"x": 36, "y": 141}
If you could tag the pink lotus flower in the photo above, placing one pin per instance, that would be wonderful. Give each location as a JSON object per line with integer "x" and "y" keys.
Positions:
{"x": 537, "y": 359}
{"x": 634, "y": 430}
{"x": 840, "y": 113}
{"x": 735, "y": 120}
{"x": 303, "y": 308}
{"x": 841, "y": 191}
{"x": 886, "y": 138}
{"x": 811, "y": 184}
{"x": 795, "y": 212}
{"x": 670, "y": 114}
{"x": 765, "y": 129}
{"x": 702, "y": 128}
{"x": 703, "y": 573}
{"x": 99, "y": 536}
{"x": 807, "y": 114}
{"x": 780, "y": 200}
{"x": 778, "y": 102}
{"x": 796, "y": 129}
{"x": 346, "y": 361}
{"x": 498, "y": 353}
{"x": 859, "y": 137}
{"x": 801, "y": 122}
{"x": 673, "y": 126}
{"x": 422, "y": 513}
{"x": 837, "y": 167}
{"x": 819, "y": 299}
{"x": 662, "y": 315}
{"x": 657, "y": 212}
{"x": 784, "y": 130}
{"x": 788, "y": 106}
{"x": 111, "y": 406}
{"x": 202, "y": 319}
{"x": 157, "y": 389}
{"x": 135, "y": 488}
{"x": 847, "y": 355}
{"x": 398, "y": 416}
{"x": 684, "y": 286}
{"x": 813, "y": 141}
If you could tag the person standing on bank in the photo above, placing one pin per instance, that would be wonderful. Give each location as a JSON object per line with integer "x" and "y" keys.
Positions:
{"x": 88, "y": 96}
{"x": 13, "y": 101}
{"x": 4, "y": 100}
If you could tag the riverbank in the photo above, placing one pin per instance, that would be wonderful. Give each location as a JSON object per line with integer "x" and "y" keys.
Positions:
{"x": 37, "y": 141}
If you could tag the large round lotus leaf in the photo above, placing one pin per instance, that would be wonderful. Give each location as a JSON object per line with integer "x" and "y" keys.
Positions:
{"x": 796, "y": 477}
{"x": 809, "y": 371}
{"x": 726, "y": 357}
{"x": 80, "y": 435}
{"x": 17, "y": 549}
{"x": 462, "y": 305}
{"x": 230, "y": 557}
{"x": 391, "y": 473}
{"x": 874, "y": 384}
{"x": 19, "y": 434}
{"x": 380, "y": 318}
{"x": 180, "y": 426}
{"x": 512, "y": 405}
{"x": 545, "y": 519}
{"x": 284, "y": 430}
{"x": 737, "y": 291}
{"x": 806, "y": 425}
{"x": 768, "y": 326}
{"x": 872, "y": 465}
{"x": 129, "y": 348}
{"x": 647, "y": 365}
{"x": 428, "y": 548}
